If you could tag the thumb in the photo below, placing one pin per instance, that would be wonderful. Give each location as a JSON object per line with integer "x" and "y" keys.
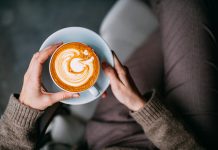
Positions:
{"x": 111, "y": 74}
{"x": 59, "y": 96}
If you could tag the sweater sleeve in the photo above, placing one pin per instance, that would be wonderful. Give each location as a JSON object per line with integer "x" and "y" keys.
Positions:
{"x": 17, "y": 126}
{"x": 162, "y": 128}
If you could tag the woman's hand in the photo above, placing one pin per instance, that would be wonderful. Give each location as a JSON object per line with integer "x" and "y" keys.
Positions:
{"x": 33, "y": 94}
{"x": 123, "y": 86}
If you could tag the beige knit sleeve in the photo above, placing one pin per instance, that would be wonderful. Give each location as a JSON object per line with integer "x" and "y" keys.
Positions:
{"x": 162, "y": 128}
{"x": 17, "y": 126}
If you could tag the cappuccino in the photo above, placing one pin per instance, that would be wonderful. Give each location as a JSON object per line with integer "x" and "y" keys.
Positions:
{"x": 74, "y": 67}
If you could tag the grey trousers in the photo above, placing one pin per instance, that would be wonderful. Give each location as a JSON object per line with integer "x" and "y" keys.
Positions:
{"x": 180, "y": 59}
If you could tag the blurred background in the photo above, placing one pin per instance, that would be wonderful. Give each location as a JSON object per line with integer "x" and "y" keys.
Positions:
{"x": 25, "y": 24}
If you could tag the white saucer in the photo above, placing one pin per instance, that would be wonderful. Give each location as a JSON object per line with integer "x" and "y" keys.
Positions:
{"x": 79, "y": 34}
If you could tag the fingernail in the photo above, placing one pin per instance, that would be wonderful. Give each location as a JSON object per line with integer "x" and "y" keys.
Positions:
{"x": 75, "y": 95}
{"x": 104, "y": 65}
{"x": 57, "y": 44}
{"x": 114, "y": 53}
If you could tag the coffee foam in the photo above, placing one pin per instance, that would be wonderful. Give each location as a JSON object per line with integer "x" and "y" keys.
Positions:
{"x": 72, "y": 68}
{"x": 75, "y": 67}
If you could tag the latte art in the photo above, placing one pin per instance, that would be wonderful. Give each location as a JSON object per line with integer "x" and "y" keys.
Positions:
{"x": 74, "y": 67}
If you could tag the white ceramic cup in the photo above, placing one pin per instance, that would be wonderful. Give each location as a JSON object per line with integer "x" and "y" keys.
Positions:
{"x": 93, "y": 89}
{"x": 103, "y": 51}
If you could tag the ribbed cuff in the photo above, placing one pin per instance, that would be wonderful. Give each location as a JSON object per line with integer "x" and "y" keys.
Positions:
{"x": 151, "y": 112}
{"x": 20, "y": 114}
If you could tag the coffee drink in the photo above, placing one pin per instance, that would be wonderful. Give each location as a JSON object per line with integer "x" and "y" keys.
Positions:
{"x": 74, "y": 67}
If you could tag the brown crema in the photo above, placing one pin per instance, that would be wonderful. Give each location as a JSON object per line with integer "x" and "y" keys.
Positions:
{"x": 74, "y": 67}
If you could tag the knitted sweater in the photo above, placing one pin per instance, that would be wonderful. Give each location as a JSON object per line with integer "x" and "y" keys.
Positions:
{"x": 18, "y": 131}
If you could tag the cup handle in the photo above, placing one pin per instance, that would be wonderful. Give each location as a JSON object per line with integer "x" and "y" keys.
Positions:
{"x": 93, "y": 90}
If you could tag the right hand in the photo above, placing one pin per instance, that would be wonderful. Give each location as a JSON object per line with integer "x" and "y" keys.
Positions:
{"x": 33, "y": 94}
{"x": 123, "y": 86}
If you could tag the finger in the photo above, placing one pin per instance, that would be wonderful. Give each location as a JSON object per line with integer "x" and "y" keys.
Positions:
{"x": 31, "y": 63}
{"x": 117, "y": 64}
{"x": 37, "y": 56}
{"x": 111, "y": 74}
{"x": 125, "y": 76}
{"x": 45, "y": 53}
{"x": 40, "y": 58}
{"x": 104, "y": 95}
{"x": 122, "y": 71}
{"x": 59, "y": 96}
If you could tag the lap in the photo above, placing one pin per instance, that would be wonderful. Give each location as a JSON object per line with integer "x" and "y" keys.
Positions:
{"x": 190, "y": 65}
{"x": 184, "y": 61}
{"x": 111, "y": 117}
